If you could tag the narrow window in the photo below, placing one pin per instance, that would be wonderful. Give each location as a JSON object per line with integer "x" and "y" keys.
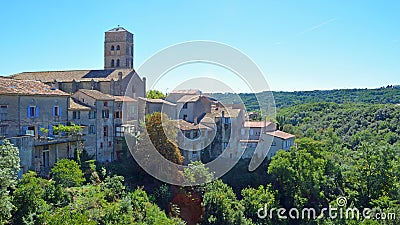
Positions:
{"x": 31, "y": 111}
{"x": 112, "y": 62}
{"x": 112, "y": 47}
{"x": 117, "y": 63}
{"x": 105, "y": 131}
{"x": 56, "y": 111}
{"x": 118, "y": 48}
{"x": 105, "y": 113}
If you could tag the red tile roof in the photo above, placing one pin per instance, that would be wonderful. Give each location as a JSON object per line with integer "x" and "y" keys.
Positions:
{"x": 96, "y": 94}
{"x": 281, "y": 134}
{"x": 27, "y": 87}
{"x": 124, "y": 99}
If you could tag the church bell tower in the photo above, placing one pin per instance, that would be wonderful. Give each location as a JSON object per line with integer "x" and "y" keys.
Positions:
{"x": 118, "y": 49}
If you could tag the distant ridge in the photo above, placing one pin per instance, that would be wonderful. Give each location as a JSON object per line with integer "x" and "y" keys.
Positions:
{"x": 384, "y": 95}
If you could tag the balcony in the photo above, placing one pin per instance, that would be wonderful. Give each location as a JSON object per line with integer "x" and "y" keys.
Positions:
{"x": 57, "y": 140}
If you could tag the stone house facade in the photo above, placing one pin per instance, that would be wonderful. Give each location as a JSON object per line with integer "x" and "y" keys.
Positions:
{"x": 30, "y": 111}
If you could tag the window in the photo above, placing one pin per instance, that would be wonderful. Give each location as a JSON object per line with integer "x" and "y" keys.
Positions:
{"x": 118, "y": 114}
{"x": 33, "y": 111}
{"x": 185, "y": 117}
{"x": 56, "y": 111}
{"x": 226, "y": 120}
{"x": 101, "y": 144}
{"x": 187, "y": 134}
{"x": 76, "y": 115}
{"x": 117, "y": 63}
{"x": 109, "y": 144}
{"x": 92, "y": 129}
{"x": 30, "y": 131}
{"x": 46, "y": 156}
{"x": 112, "y": 47}
{"x": 185, "y": 105}
{"x": 118, "y": 48}
{"x": 119, "y": 131}
{"x": 3, "y": 112}
{"x": 105, "y": 131}
{"x": 105, "y": 113}
{"x": 105, "y": 104}
{"x": 92, "y": 115}
{"x": 112, "y": 62}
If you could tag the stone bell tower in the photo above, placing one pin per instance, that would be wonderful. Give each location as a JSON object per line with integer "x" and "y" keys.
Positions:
{"x": 118, "y": 49}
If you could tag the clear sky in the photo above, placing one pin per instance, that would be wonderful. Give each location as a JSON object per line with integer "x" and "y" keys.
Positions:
{"x": 299, "y": 45}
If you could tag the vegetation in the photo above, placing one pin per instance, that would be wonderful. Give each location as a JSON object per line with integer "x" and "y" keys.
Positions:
{"x": 345, "y": 147}
{"x": 9, "y": 166}
{"x": 384, "y": 95}
{"x": 155, "y": 94}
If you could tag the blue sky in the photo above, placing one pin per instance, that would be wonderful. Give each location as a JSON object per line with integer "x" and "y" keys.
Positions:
{"x": 303, "y": 45}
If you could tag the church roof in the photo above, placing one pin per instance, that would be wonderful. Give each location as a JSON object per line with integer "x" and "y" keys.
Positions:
{"x": 70, "y": 75}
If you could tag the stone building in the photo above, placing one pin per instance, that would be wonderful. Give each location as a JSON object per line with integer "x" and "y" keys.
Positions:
{"x": 29, "y": 112}
{"x": 101, "y": 123}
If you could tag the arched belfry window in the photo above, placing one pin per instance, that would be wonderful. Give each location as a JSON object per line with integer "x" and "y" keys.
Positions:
{"x": 112, "y": 47}
{"x": 117, "y": 62}
{"x": 112, "y": 62}
{"x": 118, "y": 48}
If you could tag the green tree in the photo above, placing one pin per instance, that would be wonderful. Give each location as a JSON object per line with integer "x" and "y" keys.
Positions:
{"x": 156, "y": 126}
{"x": 67, "y": 173}
{"x": 254, "y": 199}
{"x": 222, "y": 206}
{"x": 301, "y": 175}
{"x": 155, "y": 94}
{"x": 29, "y": 199}
{"x": 9, "y": 167}
{"x": 196, "y": 173}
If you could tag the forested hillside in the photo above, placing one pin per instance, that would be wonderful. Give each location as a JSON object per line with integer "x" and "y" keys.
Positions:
{"x": 387, "y": 95}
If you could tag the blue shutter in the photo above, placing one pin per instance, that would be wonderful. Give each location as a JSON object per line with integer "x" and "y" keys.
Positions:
{"x": 37, "y": 111}
{"x": 54, "y": 110}
{"x": 29, "y": 114}
{"x": 24, "y": 129}
{"x": 51, "y": 131}
{"x": 59, "y": 111}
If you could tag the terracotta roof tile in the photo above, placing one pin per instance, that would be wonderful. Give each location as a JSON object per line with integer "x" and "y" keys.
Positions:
{"x": 27, "y": 87}
{"x": 281, "y": 134}
{"x": 74, "y": 105}
{"x": 124, "y": 99}
{"x": 97, "y": 95}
